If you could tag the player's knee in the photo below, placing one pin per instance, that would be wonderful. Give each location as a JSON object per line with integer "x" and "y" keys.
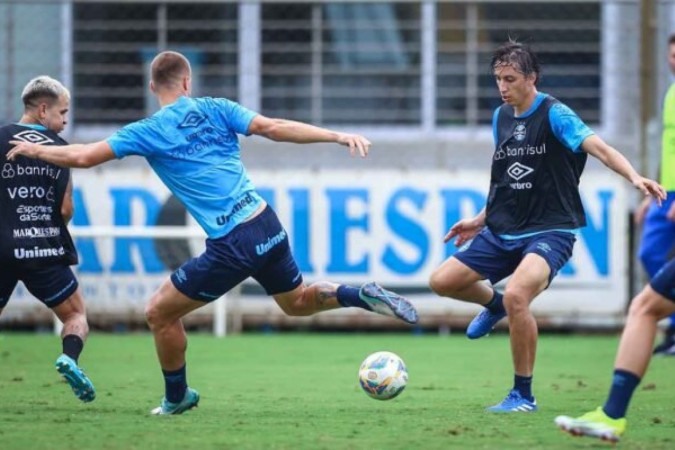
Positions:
{"x": 442, "y": 285}
{"x": 302, "y": 306}
{"x": 153, "y": 316}
{"x": 295, "y": 310}
{"x": 516, "y": 301}
{"x": 647, "y": 305}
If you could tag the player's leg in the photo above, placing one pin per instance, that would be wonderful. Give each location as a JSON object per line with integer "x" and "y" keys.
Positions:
{"x": 455, "y": 279}
{"x": 196, "y": 283}
{"x": 163, "y": 314}
{"x": 59, "y": 290}
{"x": 282, "y": 280}
{"x": 656, "y": 248}
{"x": 655, "y": 302}
{"x": 544, "y": 255}
{"x": 461, "y": 277}
{"x": 277, "y": 272}
{"x": 74, "y": 334}
{"x": 530, "y": 278}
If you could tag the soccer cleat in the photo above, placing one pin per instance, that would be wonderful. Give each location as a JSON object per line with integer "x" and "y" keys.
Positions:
{"x": 190, "y": 400}
{"x": 75, "y": 377}
{"x": 665, "y": 348}
{"x": 595, "y": 424}
{"x": 514, "y": 402}
{"x": 388, "y": 303}
{"x": 483, "y": 323}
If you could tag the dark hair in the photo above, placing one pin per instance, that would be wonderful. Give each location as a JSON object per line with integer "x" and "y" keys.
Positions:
{"x": 519, "y": 56}
{"x": 168, "y": 68}
{"x": 671, "y": 39}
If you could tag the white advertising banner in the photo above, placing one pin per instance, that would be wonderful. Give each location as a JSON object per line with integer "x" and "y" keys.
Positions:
{"x": 347, "y": 227}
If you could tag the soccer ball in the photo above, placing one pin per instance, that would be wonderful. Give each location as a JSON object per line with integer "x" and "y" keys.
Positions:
{"x": 383, "y": 375}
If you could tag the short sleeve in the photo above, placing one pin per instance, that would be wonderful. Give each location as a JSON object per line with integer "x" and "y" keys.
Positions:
{"x": 230, "y": 115}
{"x": 131, "y": 140}
{"x": 495, "y": 117}
{"x": 567, "y": 127}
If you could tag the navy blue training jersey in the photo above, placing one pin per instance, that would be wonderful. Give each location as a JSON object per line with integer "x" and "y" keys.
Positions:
{"x": 536, "y": 168}
{"x": 33, "y": 233}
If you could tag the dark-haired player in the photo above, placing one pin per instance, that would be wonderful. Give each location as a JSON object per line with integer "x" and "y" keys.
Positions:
{"x": 533, "y": 212}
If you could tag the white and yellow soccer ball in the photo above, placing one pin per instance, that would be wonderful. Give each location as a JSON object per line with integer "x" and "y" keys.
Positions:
{"x": 383, "y": 375}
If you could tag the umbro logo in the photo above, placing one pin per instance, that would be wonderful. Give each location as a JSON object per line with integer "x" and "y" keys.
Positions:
{"x": 518, "y": 171}
{"x": 32, "y": 136}
{"x": 180, "y": 275}
{"x": 192, "y": 120}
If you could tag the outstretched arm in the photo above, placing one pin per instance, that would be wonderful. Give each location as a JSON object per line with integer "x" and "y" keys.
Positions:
{"x": 466, "y": 229}
{"x": 74, "y": 155}
{"x": 301, "y": 133}
{"x": 619, "y": 164}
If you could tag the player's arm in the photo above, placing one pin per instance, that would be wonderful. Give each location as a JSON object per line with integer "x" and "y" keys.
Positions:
{"x": 466, "y": 229}
{"x": 67, "y": 208}
{"x": 282, "y": 130}
{"x": 613, "y": 159}
{"x": 74, "y": 155}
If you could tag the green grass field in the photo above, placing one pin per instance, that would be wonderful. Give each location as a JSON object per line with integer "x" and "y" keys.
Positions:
{"x": 291, "y": 391}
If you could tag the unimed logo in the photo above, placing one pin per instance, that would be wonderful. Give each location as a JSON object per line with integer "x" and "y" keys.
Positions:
{"x": 37, "y": 252}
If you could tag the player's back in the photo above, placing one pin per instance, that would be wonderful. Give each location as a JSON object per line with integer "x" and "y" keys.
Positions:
{"x": 192, "y": 145}
{"x": 34, "y": 233}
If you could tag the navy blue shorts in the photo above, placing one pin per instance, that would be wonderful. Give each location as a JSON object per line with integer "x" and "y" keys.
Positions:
{"x": 258, "y": 248}
{"x": 664, "y": 281}
{"x": 496, "y": 258}
{"x": 51, "y": 285}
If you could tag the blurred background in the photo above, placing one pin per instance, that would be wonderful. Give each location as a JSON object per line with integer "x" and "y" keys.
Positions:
{"x": 413, "y": 76}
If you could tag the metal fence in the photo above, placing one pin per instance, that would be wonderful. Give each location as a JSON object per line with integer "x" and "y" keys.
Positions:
{"x": 419, "y": 64}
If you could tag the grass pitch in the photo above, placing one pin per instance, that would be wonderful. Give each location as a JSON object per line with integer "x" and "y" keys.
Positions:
{"x": 300, "y": 391}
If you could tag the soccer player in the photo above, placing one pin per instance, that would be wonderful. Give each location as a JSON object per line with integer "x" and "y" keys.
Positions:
{"x": 192, "y": 145}
{"x": 36, "y": 205}
{"x": 533, "y": 212}
{"x": 655, "y": 302}
{"x": 658, "y": 233}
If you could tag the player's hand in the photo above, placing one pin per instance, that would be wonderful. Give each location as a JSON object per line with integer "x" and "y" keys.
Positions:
{"x": 464, "y": 230}
{"x": 355, "y": 143}
{"x": 24, "y": 149}
{"x": 650, "y": 188}
{"x": 641, "y": 211}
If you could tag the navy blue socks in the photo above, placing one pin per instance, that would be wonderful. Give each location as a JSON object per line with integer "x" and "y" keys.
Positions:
{"x": 623, "y": 386}
{"x": 175, "y": 383}
{"x": 496, "y": 305}
{"x": 72, "y": 346}
{"x": 349, "y": 296}
{"x": 524, "y": 386}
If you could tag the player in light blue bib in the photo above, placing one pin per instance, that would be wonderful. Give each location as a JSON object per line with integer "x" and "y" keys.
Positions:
{"x": 193, "y": 146}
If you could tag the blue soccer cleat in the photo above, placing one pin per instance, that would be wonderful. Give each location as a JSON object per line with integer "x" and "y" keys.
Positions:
{"x": 75, "y": 377}
{"x": 190, "y": 400}
{"x": 483, "y": 323}
{"x": 388, "y": 303}
{"x": 514, "y": 402}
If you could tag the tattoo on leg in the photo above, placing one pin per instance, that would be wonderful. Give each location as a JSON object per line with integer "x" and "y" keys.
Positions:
{"x": 325, "y": 292}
